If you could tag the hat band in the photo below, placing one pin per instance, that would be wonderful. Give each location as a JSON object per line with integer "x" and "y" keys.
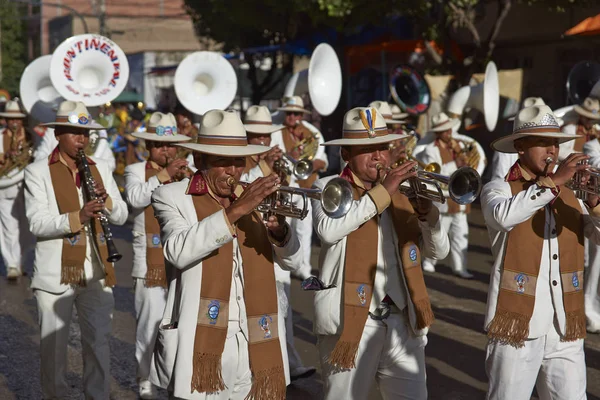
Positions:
{"x": 75, "y": 119}
{"x": 293, "y": 106}
{"x": 364, "y": 134}
{"x": 387, "y": 116}
{"x": 258, "y": 123}
{"x": 545, "y": 129}
{"x": 161, "y": 130}
{"x": 440, "y": 124}
{"x": 223, "y": 140}
{"x": 12, "y": 112}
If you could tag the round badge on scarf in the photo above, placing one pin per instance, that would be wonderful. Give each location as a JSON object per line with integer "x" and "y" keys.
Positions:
{"x": 155, "y": 240}
{"x": 160, "y": 130}
{"x": 213, "y": 311}
{"x": 412, "y": 253}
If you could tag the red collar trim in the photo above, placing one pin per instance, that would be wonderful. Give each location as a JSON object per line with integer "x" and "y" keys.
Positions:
{"x": 347, "y": 175}
{"x": 55, "y": 157}
{"x": 514, "y": 173}
{"x": 197, "y": 185}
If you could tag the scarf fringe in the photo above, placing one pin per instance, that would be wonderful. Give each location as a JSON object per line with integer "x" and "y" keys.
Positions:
{"x": 72, "y": 275}
{"x": 344, "y": 354}
{"x": 509, "y": 328}
{"x": 268, "y": 384}
{"x": 575, "y": 326}
{"x": 110, "y": 279}
{"x": 424, "y": 313}
{"x": 206, "y": 375}
{"x": 156, "y": 276}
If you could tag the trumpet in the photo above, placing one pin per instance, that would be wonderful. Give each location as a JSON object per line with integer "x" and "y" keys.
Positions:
{"x": 302, "y": 169}
{"x": 577, "y": 185}
{"x": 464, "y": 185}
{"x": 335, "y": 198}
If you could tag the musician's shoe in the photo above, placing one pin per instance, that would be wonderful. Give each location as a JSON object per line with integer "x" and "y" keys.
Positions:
{"x": 147, "y": 390}
{"x": 464, "y": 274}
{"x": 428, "y": 266}
{"x": 302, "y": 373}
{"x": 12, "y": 273}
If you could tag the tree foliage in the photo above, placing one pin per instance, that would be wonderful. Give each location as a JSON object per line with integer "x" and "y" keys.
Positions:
{"x": 12, "y": 44}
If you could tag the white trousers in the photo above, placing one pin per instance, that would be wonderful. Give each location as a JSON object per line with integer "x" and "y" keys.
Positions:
{"x": 94, "y": 304}
{"x": 15, "y": 238}
{"x": 388, "y": 353}
{"x": 457, "y": 227}
{"x": 304, "y": 231}
{"x": 557, "y": 369}
{"x": 294, "y": 359}
{"x": 149, "y": 308}
{"x": 592, "y": 276}
{"x": 235, "y": 369}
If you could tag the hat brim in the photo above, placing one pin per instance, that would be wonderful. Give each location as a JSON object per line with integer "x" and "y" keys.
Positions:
{"x": 365, "y": 141}
{"x": 264, "y": 129}
{"x": 294, "y": 109}
{"x": 400, "y": 116}
{"x": 446, "y": 125}
{"x": 506, "y": 144}
{"x": 155, "y": 138}
{"x": 582, "y": 111}
{"x": 230, "y": 151}
{"x": 394, "y": 122}
{"x": 91, "y": 127}
{"x": 12, "y": 115}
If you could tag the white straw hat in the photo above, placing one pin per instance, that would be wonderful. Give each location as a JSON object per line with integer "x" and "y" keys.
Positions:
{"x": 74, "y": 114}
{"x": 222, "y": 133}
{"x": 532, "y": 121}
{"x": 259, "y": 121}
{"x": 441, "y": 122}
{"x": 12, "y": 110}
{"x": 589, "y": 108}
{"x": 397, "y": 112}
{"x": 161, "y": 128}
{"x": 293, "y": 104}
{"x": 364, "y": 126}
{"x": 530, "y": 102}
{"x": 384, "y": 109}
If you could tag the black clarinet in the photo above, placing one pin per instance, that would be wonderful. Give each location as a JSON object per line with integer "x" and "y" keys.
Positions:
{"x": 89, "y": 183}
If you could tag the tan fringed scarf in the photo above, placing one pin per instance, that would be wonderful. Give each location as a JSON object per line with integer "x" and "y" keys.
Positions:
{"x": 260, "y": 295}
{"x": 448, "y": 156}
{"x": 74, "y": 245}
{"x": 156, "y": 275}
{"x": 289, "y": 144}
{"x": 521, "y": 267}
{"x": 583, "y": 139}
{"x": 253, "y": 161}
{"x": 360, "y": 269}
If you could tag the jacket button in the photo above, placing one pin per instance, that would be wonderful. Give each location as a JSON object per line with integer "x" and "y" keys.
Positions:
{"x": 555, "y": 257}
{"x": 543, "y": 190}
{"x": 554, "y": 283}
{"x": 533, "y": 197}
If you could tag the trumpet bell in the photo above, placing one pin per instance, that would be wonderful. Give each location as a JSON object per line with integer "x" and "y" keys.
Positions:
{"x": 303, "y": 169}
{"x": 89, "y": 68}
{"x": 464, "y": 185}
{"x": 433, "y": 167}
{"x": 336, "y": 198}
{"x": 39, "y": 97}
{"x": 205, "y": 81}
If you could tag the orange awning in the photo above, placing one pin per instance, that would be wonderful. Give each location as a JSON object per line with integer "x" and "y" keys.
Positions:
{"x": 589, "y": 26}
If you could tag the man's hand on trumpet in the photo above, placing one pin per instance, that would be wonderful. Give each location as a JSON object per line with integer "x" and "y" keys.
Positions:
{"x": 396, "y": 176}
{"x": 568, "y": 168}
{"x": 251, "y": 197}
{"x": 177, "y": 168}
{"x": 271, "y": 156}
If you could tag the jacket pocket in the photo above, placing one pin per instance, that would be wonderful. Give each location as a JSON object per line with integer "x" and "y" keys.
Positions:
{"x": 165, "y": 352}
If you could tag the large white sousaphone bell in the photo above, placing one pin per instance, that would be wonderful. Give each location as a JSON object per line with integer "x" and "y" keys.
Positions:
{"x": 322, "y": 80}
{"x": 484, "y": 97}
{"x": 39, "y": 97}
{"x": 89, "y": 68}
{"x": 205, "y": 81}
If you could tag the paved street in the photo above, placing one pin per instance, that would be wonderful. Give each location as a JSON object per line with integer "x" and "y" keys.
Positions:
{"x": 455, "y": 352}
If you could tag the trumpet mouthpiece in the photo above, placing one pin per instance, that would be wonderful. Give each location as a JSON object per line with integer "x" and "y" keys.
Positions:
{"x": 549, "y": 160}
{"x": 379, "y": 166}
{"x": 231, "y": 181}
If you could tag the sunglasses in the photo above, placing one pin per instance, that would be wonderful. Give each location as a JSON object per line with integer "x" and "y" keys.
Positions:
{"x": 294, "y": 113}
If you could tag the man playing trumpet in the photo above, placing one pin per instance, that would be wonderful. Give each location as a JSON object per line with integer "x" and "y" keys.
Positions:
{"x": 372, "y": 318}
{"x": 535, "y": 317}
{"x": 71, "y": 266}
{"x": 230, "y": 336}
{"x": 149, "y": 273}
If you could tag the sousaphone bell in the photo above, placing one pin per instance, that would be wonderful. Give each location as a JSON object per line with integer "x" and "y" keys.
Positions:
{"x": 39, "y": 96}
{"x": 409, "y": 90}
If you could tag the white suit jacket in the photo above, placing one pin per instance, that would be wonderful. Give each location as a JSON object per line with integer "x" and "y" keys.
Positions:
{"x": 138, "y": 194}
{"x": 50, "y": 227}
{"x": 502, "y": 212}
{"x": 501, "y": 164}
{"x": 431, "y": 153}
{"x": 11, "y": 184}
{"x": 333, "y": 234}
{"x": 186, "y": 241}
{"x": 592, "y": 149}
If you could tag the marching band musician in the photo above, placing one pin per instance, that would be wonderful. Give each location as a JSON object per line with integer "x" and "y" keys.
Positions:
{"x": 70, "y": 264}
{"x": 296, "y": 136}
{"x": 259, "y": 127}
{"x": 372, "y": 317}
{"x": 230, "y": 337}
{"x": 450, "y": 151}
{"x": 535, "y": 317}
{"x": 15, "y": 238}
{"x": 149, "y": 273}
{"x": 587, "y": 115}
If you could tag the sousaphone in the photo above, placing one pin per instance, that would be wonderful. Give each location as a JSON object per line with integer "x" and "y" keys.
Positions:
{"x": 40, "y": 98}
{"x": 484, "y": 97}
{"x": 583, "y": 81}
{"x": 205, "y": 81}
{"x": 89, "y": 68}
{"x": 322, "y": 80}
{"x": 409, "y": 90}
